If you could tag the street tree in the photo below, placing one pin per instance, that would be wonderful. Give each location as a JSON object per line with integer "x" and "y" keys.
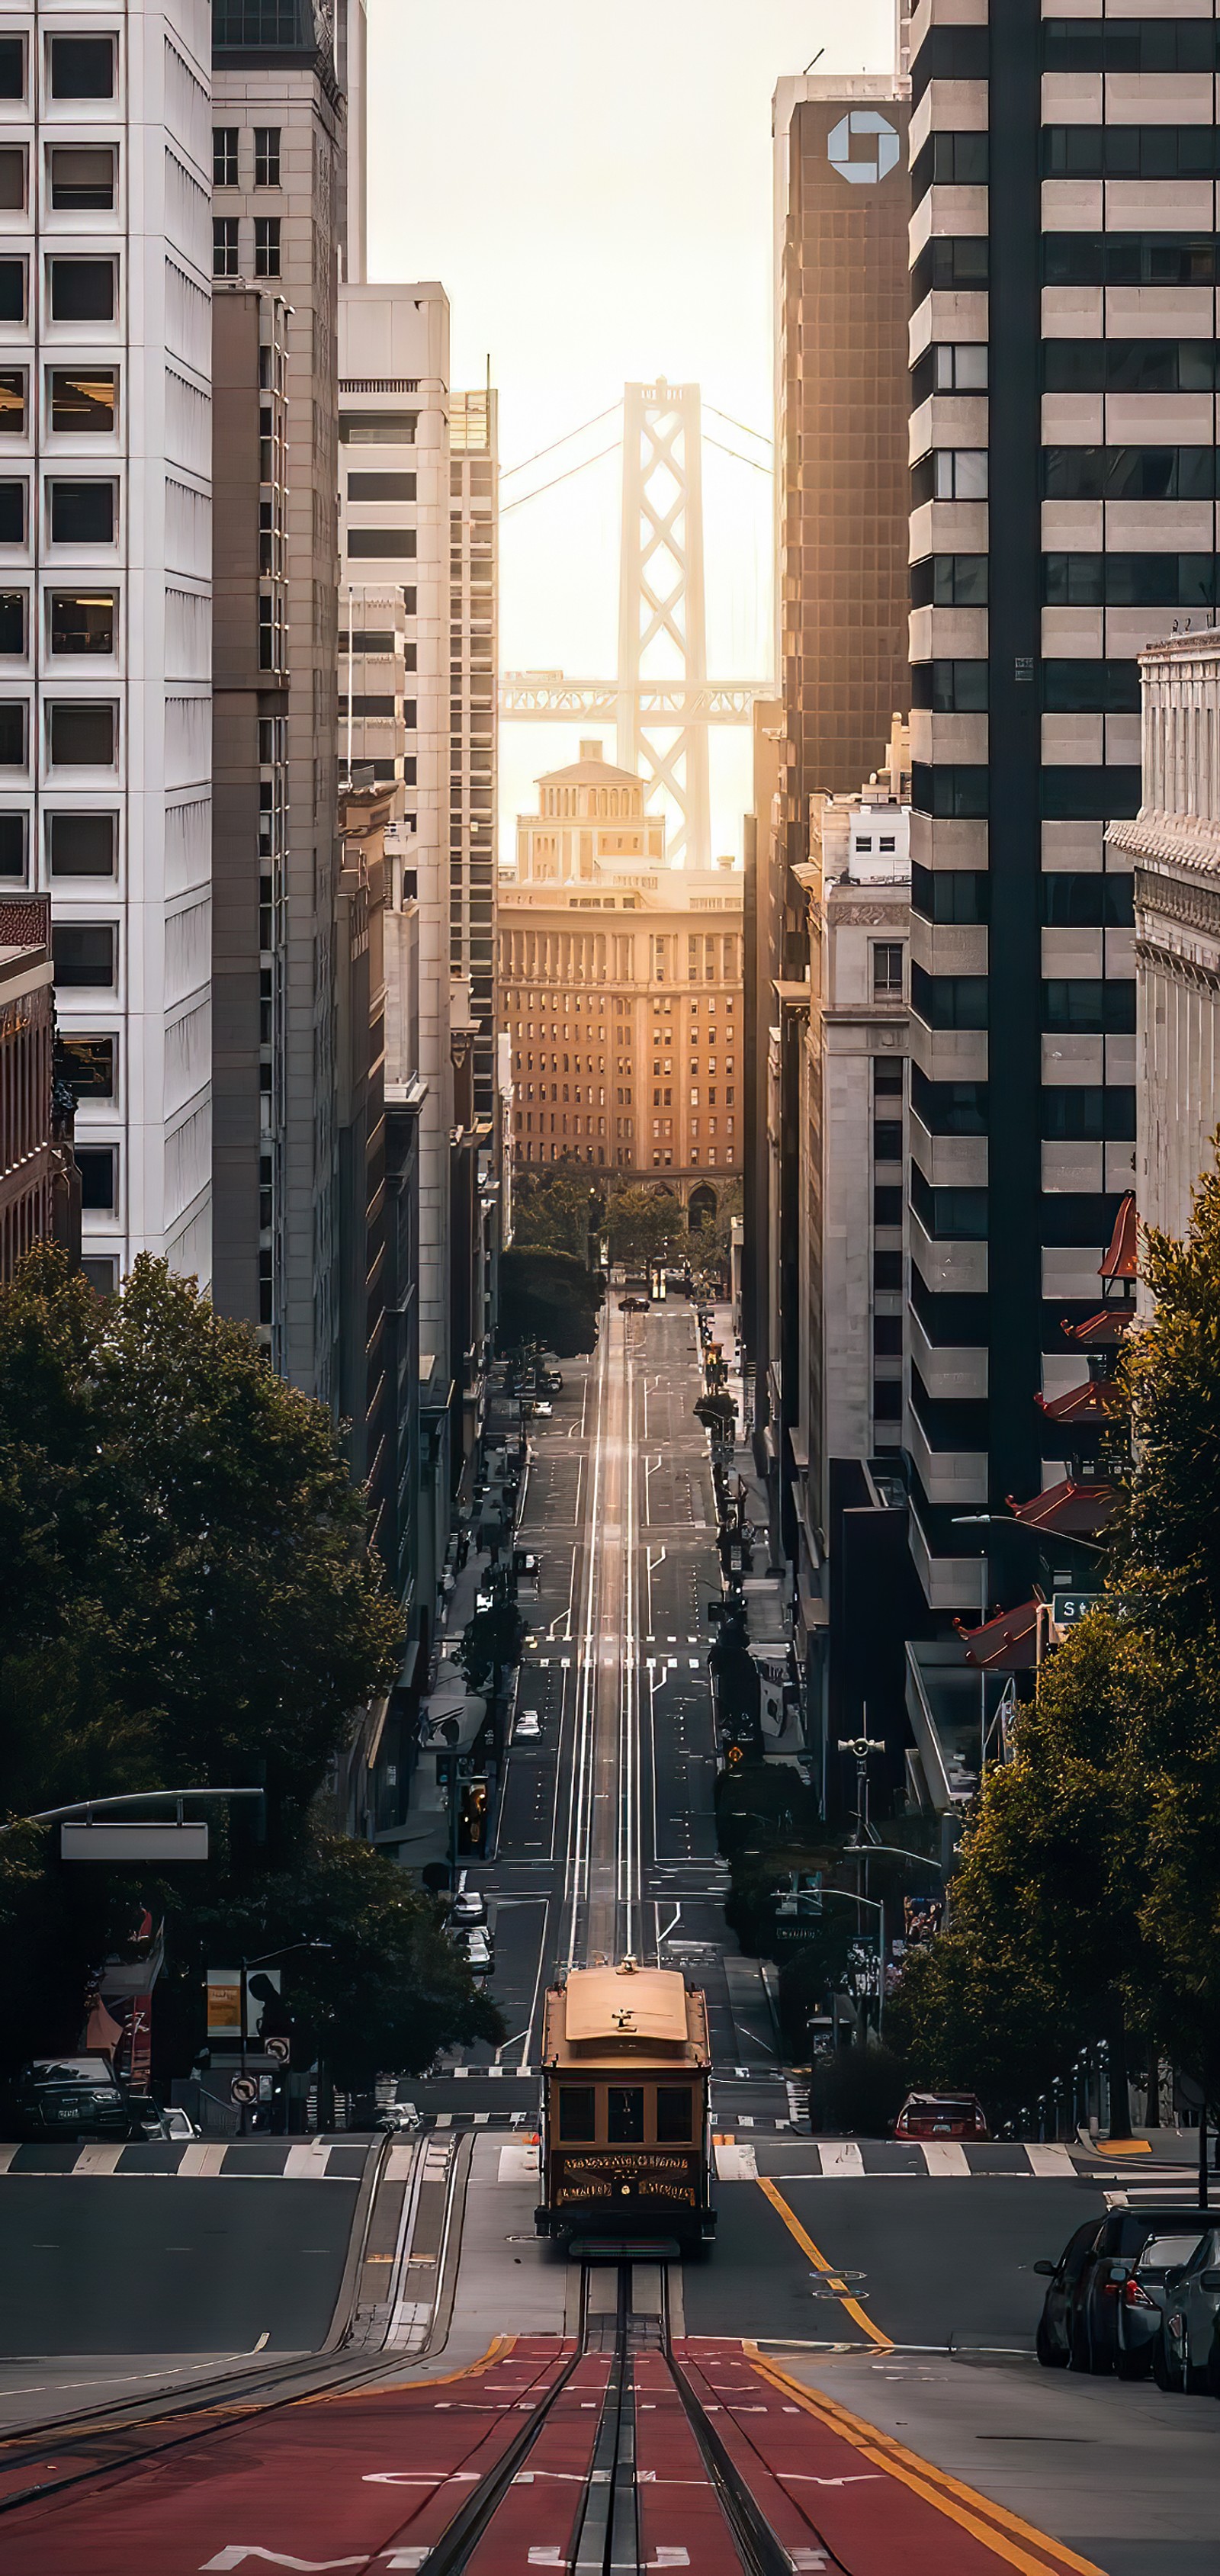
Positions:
{"x": 644, "y": 1225}
{"x": 548, "y": 1297}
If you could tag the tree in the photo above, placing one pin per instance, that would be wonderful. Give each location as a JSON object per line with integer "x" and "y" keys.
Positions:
{"x": 555, "y": 1215}
{"x": 643, "y": 1226}
{"x": 187, "y": 1586}
{"x": 551, "y": 1298}
{"x": 713, "y": 1239}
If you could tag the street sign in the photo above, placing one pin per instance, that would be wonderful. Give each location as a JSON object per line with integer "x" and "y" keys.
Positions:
{"x": 278, "y": 2048}
{"x": 1068, "y": 1607}
{"x": 244, "y": 2088}
{"x": 118, "y": 1842}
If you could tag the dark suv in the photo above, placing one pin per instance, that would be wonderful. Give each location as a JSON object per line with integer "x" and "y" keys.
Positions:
{"x": 73, "y": 2097}
{"x": 1079, "y": 2324}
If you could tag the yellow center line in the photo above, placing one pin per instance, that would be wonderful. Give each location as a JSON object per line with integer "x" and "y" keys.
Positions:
{"x": 976, "y": 2513}
{"x": 818, "y": 2259}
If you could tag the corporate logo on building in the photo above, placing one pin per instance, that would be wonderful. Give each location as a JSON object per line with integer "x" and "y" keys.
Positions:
{"x": 863, "y": 170}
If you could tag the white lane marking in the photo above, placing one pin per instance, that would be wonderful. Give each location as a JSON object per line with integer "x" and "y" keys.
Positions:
{"x": 308, "y": 2164}
{"x": 239, "y": 2551}
{"x": 943, "y": 2159}
{"x": 735, "y": 2163}
{"x": 202, "y": 2158}
{"x": 842, "y": 2158}
{"x": 1051, "y": 2160}
{"x": 97, "y": 2159}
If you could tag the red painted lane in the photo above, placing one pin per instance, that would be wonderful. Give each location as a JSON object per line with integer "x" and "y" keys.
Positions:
{"x": 363, "y": 2482}
{"x": 535, "y": 2525}
{"x": 845, "y": 2501}
{"x": 678, "y": 2507}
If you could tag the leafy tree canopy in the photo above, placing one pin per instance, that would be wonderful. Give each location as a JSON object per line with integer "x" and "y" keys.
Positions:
{"x": 556, "y": 1214}
{"x": 644, "y": 1225}
{"x": 548, "y": 1297}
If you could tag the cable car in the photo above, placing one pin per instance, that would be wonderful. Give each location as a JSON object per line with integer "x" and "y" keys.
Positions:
{"x": 626, "y": 2125}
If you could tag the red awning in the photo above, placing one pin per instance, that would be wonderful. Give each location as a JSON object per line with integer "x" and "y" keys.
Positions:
{"x": 1087, "y": 1406}
{"x": 1119, "y": 1262}
{"x": 1008, "y": 1644}
{"x": 1067, "y": 1510}
{"x": 1100, "y": 1331}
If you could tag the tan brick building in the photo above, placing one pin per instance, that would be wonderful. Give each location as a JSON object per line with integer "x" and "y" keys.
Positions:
{"x": 621, "y": 989}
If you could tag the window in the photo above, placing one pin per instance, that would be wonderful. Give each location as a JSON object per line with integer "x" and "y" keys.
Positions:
{"x": 949, "y": 53}
{"x": 82, "y": 290}
{"x": 12, "y": 621}
{"x": 950, "y": 688}
{"x": 1091, "y": 688}
{"x": 1139, "y": 45}
{"x": 82, "y": 514}
{"x": 82, "y": 179}
{"x": 12, "y": 67}
{"x": 949, "y": 581}
{"x": 1128, "y": 473}
{"x": 949, "y": 1215}
{"x": 887, "y": 1337}
{"x": 12, "y": 179}
{"x": 267, "y": 160}
{"x": 887, "y": 1271}
{"x": 1090, "y": 1009}
{"x": 887, "y": 970}
{"x": 225, "y": 251}
{"x": 949, "y": 790}
{"x": 577, "y": 2112}
{"x": 83, "y": 953}
{"x": 90, "y": 1065}
{"x": 1087, "y": 1113}
{"x": 951, "y": 367}
{"x": 887, "y": 1204}
{"x": 675, "y": 2115}
{"x": 1087, "y": 902}
{"x": 81, "y": 845}
{"x": 1090, "y": 795}
{"x": 390, "y": 542}
{"x": 887, "y": 1140}
{"x": 1130, "y": 152}
{"x": 80, "y": 621}
{"x": 949, "y": 161}
{"x": 377, "y": 429}
{"x": 101, "y": 1271}
{"x": 82, "y": 736}
{"x": 224, "y": 156}
{"x": 1129, "y": 259}
{"x": 950, "y": 474}
{"x": 12, "y": 733}
{"x": 266, "y": 246}
{"x": 82, "y": 67}
{"x": 12, "y": 846}
{"x": 12, "y": 290}
{"x": 949, "y": 1001}
{"x": 1129, "y": 366}
{"x": 951, "y": 894}
{"x": 96, "y": 1164}
{"x": 887, "y": 1077}
{"x": 12, "y": 415}
{"x": 887, "y": 1399}
{"x": 949, "y": 267}
{"x": 83, "y": 400}
{"x": 949, "y": 1108}
{"x": 381, "y": 487}
{"x": 624, "y": 2114}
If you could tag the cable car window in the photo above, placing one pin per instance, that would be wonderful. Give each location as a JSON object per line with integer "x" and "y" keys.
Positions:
{"x": 625, "y": 2124}
{"x": 576, "y": 2111}
{"x": 673, "y": 2114}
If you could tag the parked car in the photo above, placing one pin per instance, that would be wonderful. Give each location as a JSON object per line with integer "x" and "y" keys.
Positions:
{"x": 398, "y": 2120}
{"x": 634, "y": 1305}
{"x": 528, "y": 1728}
{"x": 551, "y": 1381}
{"x": 179, "y": 2124}
{"x": 1186, "y": 2354}
{"x": 477, "y": 1950}
{"x": 73, "y": 2097}
{"x": 469, "y": 1906}
{"x": 543, "y": 1409}
{"x": 941, "y": 2115}
{"x": 1140, "y": 2298}
{"x": 1079, "y": 2321}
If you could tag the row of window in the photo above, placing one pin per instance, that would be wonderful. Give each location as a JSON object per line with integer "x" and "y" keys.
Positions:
{"x": 1088, "y": 1113}
{"x": 1068, "y": 688}
{"x": 960, "y": 264}
{"x": 1077, "y": 581}
{"x": 78, "y": 735}
{"x": 1083, "y": 1006}
{"x": 77, "y": 290}
{"x": 77, "y": 845}
{"x": 76, "y": 66}
{"x": 1078, "y": 366}
{"x": 1077, "y": 899}
{"x": 1129, "y": 473}
{"x": 77, "y": 513}
{"x": 1068, "y": 794}
{"x": 1074, "y": 45}
{"x": 226, "y": 246}
{"x": 81, "y": 177}
{"x": 226, "y": 156}
{"x": 77, "y": 621}
{"x": 1130, "y": 152}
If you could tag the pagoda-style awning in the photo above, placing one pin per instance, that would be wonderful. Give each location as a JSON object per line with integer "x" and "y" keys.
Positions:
{"x": 1120, "y": 1261}
{"x": 1102, "y": 1331}
{"x": 1068, "y": 1510}
{"x": 1007, "y": 1644}
{"x": 1085, "y": 1407}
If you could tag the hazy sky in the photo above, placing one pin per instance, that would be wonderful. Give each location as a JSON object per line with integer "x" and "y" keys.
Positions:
{"x": 593, "y": 188}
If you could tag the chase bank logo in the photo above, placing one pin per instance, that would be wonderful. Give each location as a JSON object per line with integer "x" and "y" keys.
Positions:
{"x": 862, "y": 171}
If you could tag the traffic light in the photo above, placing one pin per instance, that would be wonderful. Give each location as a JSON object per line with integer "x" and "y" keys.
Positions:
{"x": 472, "y": 1820}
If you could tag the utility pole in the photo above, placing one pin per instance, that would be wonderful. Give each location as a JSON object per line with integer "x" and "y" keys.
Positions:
{"x": 861, "y": 1746}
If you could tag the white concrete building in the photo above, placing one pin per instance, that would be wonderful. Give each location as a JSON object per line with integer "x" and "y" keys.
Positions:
{"x": 1174, "y": 848}
{"x": 105, "y": 561}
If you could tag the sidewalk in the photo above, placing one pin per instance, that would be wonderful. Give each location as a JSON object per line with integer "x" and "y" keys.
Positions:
{"x": 743, "y": 1456}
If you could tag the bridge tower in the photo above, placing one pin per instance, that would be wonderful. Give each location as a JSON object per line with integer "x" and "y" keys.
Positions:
{"x": 661, "y": 621}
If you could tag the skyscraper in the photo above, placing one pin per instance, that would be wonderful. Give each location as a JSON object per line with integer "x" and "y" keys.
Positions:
{"x": 474, "y": 467}
{"x": 1063, "y": 437}
{"x": 105, "y": 427}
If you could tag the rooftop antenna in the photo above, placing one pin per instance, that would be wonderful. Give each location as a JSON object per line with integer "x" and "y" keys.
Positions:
{"x": 816, "y": 59}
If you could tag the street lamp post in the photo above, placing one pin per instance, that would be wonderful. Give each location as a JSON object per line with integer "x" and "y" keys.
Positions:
{"x": 877, "y": 1904}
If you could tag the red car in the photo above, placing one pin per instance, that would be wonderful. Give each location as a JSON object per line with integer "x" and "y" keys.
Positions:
{"x": 941, "y": 2115}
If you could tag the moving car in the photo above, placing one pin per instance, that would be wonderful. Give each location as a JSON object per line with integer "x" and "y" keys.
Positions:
{"x": 543, "y": 1409}
{"x": 528, "y": 1729}
{"x": 477, "y": 1950}
{"x": 398, "y": 2120}
{"x": 1186, "y": 2354}
{"x": 1140, "y": 2299}
{"x": 634, "y": 1305}
{"x": 1079, "y": 2321}
{"x": 941, "y": 2115}
{"x": 469, "y": 1906}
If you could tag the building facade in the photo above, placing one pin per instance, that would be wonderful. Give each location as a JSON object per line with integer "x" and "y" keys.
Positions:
{"x": 276, "y": 205}
{"x": 1173, "y": 846}
{"x": 105, "y": 418}
{"x": 27, "y": 1031}
{"x": 474, "y": 661}
{"x": 626, "y": 1031}
{"x": 1063, "y": 465}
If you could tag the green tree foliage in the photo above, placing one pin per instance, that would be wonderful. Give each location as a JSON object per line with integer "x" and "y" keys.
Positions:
{"x": 645, "y": 1225}
{"x": 556, "y": 1214}
{"x": 712, "y": 1239}
{"x": 1088, "y": 1900}
{"x": 548, "y": 1297}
